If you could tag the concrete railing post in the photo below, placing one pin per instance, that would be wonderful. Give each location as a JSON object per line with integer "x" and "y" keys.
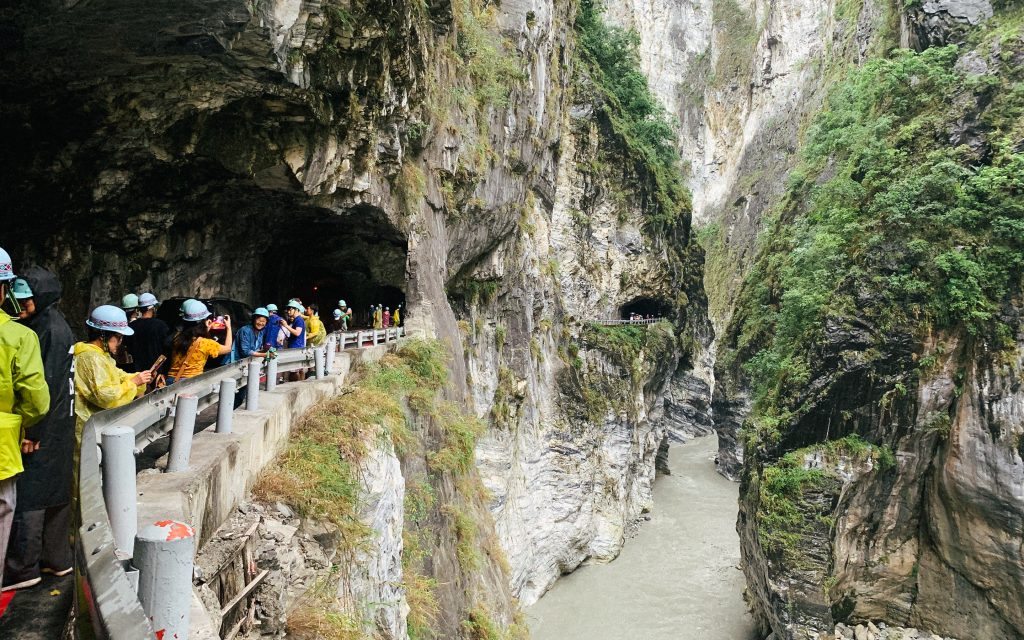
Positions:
{"x": 163, "y": 556}
{"x": 271, "y": 374}
{"x": 225, "y": 405}
{"x": 359, "y": 339}
{"x": 118, "y": 444}
{"x": 319, "y": 362}
{"x": 332, "y": 346}
{"x": 185, "y": 410}
{"x": 252, "y": 386}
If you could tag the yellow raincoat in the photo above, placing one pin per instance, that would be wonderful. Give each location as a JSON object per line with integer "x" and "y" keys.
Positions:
{"x": 378, "y": 321}
{"x": 99, "y": 384}
{"x": 24, "y": 395}
{"x": 316, "y": 332}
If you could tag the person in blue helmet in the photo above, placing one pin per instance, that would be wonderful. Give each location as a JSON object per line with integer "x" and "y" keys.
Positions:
{"x": 250, "y": 340}
{"x": 273, "y": 336}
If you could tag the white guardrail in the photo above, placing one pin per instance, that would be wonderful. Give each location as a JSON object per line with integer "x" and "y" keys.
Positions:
{"x": 115, "y": 592}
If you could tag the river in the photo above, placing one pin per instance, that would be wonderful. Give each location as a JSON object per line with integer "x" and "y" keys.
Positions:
{"x": 676, "y": 580}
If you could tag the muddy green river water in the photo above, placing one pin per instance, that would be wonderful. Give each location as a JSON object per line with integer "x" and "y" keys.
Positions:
{"x": 676, "y": 580}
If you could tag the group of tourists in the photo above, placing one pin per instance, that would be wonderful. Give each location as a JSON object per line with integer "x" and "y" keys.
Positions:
{"x": 127, "y": 351}
{"x": 382, "y": 318}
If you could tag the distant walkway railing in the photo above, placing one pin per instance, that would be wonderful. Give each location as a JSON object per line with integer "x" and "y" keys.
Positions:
{"x": 615, "y": 323}
{"x": 132, "y": 598}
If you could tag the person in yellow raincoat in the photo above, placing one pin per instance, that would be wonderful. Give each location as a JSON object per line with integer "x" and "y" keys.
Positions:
{"x": 378, "y": 318}
{"x": 316, "y": 332}
{"x": 99, "y": 384}
{"x": 24, "y": 398}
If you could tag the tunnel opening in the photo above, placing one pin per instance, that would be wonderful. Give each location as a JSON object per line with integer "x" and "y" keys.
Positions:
{"x": 357, "y": 256}
{"x": 645, "y": 308}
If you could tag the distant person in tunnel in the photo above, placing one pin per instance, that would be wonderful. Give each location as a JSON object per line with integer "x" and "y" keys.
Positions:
{"x": 337, "y": 324}
{"x": 24, "y": 397}
{"x": 191, "y": 347}
{"x": 39, "y": 538}
{"x": 378, "y": 317}
{"x": 396, "y": 319}
{"x": 386, "y": 319}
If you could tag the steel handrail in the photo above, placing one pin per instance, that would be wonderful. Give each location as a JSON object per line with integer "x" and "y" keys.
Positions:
{"x": 114, "y": 608}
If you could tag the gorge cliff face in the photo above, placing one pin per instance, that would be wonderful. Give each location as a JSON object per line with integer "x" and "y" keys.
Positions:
{"x": 871, "y": 380}
{"x": 453, "y": 156}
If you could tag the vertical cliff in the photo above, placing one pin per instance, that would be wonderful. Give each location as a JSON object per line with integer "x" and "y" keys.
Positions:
{"x": 870, "y": 354}
{"x": 471, "y": 159}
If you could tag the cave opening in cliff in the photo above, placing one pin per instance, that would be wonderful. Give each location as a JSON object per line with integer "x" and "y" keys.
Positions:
{"x": 645, "y": 307}
{"x": 358, "y": 257}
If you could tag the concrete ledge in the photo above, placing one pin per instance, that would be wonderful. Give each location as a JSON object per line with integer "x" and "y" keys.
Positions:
{"x": 223, "y": 467}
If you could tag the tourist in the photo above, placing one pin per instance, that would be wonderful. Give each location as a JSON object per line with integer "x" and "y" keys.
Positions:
{"x": 273, "y": 337}
{"x": 24, "y": 397}
{"x": 342, "y": 316}
{"x": 191, "y": 346}
{"x": 130, "y": 304}
{"x": 396, "y": 318}
{"x": 39, "y": 537}
{"x": 386, "y": 318}
{"x": 22, "y": 292}
{"x": 251, "y": 340}
{"x": 124, "y": 358}
{"x": 150, "y": 337}
{"x": 378, "y": 318}
{"x": 316, "y": 332}
{"x": 296, "y": 334}
{"x": 296, "y": 330}
{"x": 338, "y": 324}
{"x": 99, "y": 384}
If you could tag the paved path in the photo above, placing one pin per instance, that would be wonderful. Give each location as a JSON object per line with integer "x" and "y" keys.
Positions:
{"x": 38, "y": 613}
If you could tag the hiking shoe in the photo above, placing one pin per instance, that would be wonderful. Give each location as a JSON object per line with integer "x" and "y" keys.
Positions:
{"x": 24, "y": 584}
{"x": 57, "y": 572}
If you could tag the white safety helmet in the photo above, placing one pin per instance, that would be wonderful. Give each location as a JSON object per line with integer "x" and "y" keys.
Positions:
{"x": 341, "y": 304}
{"x": 148, "y": 300}
{"x": 107, "y": 317}
{"x": 337, "y": 313}
{"x": 6, "y": 268}
{"x": 193, "y": 310}
{"x": 130, "y": 301}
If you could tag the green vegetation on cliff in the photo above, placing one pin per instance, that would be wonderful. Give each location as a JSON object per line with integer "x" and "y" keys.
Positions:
{"x": 907, "y": 214}
{"x": 644, "y": 128}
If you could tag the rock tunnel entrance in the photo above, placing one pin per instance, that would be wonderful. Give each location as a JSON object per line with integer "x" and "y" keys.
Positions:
{"x": 645, "y": 307}
{"x": 357, "y": 256}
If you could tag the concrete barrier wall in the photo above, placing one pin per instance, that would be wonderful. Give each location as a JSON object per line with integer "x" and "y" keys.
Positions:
{"x": 224, "y": 467}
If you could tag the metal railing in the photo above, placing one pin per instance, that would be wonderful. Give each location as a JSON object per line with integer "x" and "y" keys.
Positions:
{"x": 617, "y": 322}
{"x": 107, "y": 583}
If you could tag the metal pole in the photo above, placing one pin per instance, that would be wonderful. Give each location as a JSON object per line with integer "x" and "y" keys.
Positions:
{"x": 163, "y": 555}
{"x": 271, "y": 374}
{"x": 118, "y": 444}
{"x": 318, "y": 362}
{"x": 252, "y": 386}
{"x": 332, "y": 346}
{"x": 181, "y": 436}
{"x": 225, "y": 405}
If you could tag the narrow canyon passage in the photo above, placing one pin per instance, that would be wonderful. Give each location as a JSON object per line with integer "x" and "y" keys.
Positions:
{"x": 676, "y": 580}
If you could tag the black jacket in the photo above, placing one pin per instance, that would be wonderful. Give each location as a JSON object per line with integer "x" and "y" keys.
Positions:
{"x": 46, "y": 481}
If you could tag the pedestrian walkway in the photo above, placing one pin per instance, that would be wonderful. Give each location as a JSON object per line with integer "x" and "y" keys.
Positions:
{"x": 39, "y": 613}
